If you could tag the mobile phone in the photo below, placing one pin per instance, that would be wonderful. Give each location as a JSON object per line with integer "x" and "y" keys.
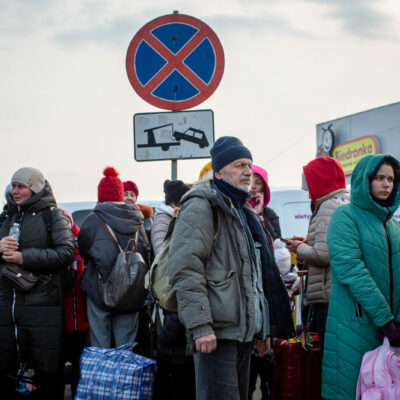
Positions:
{"x": 284, "y": 240}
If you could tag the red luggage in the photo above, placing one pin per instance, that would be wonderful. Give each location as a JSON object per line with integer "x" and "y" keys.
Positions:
{"x": 297, "y": 370}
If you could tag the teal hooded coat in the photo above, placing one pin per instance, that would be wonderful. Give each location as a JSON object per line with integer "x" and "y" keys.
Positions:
{"x": 364, "y": 252}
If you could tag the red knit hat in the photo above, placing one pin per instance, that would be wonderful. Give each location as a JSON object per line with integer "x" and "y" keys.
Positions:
{"x": 110, "y": 187}
{"x": 131, "y": 186}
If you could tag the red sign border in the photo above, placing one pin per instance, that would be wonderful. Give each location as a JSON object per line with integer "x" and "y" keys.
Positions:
{"x": 207, "y": 90}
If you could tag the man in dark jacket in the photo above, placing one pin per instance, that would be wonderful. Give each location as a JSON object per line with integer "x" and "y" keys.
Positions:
{"x": 219, "y": 265}
{"x": 31, "y": 323}
{"x": 100, "y": 252}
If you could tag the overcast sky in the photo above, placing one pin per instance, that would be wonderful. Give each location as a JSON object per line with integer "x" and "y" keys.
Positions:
{"x": 66, "y": 104}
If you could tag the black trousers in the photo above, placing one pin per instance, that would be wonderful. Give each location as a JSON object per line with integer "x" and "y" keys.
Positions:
{"x": 263, "y": 367}
{"x": 74, "y": 343}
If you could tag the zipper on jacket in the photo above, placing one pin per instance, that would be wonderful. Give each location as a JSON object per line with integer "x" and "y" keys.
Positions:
{"x": 16, "y": 327}
{"x": 390, "y": 262}
{"x": 74, "y": 305}
{"x": 236, "y": 213}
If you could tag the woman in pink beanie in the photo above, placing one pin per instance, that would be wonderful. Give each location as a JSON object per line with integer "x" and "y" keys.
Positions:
{"x": 259, "y": 199}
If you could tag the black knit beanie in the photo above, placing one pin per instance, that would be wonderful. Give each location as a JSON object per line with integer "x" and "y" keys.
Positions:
{"x": 227, "y": 149}
{"x": 174, "y": 190}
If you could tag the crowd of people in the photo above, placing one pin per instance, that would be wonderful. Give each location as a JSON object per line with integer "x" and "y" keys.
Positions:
{"x": 231, "y": 270}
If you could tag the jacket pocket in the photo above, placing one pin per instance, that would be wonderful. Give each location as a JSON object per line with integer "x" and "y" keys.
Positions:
{"x": 224, "y": 301}
{"x": 360, "y": 316}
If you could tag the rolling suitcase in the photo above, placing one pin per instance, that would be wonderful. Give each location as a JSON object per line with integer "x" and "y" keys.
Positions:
{"x": 297, "y": 369}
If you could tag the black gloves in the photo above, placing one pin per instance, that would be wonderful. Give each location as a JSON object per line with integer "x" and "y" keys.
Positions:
{"x": 391, "y": 331}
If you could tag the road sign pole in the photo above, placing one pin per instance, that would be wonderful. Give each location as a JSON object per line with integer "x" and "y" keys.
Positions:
{"x": 174, "y": 170}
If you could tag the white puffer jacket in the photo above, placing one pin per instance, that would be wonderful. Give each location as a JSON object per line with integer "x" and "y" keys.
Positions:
{"x": 162, "y": 218}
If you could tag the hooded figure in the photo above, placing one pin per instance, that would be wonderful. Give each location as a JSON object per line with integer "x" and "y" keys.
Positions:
{"x": 260, "y": 188}
{"x": 327, "y": 188}
{"x": 324, "y": 175}
{"x": 364, "y": 250}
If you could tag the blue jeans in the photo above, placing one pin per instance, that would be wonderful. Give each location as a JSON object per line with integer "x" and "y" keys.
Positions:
{"x": 224, "y": 373}
{"x": 105, "y": 325}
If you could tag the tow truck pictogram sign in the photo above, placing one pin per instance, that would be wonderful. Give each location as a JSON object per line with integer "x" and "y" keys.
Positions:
{"x": 177, "y": 135}
{"x": 175, "y": 62}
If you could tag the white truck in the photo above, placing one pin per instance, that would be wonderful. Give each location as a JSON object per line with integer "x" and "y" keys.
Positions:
{"x": 293, "y": 208}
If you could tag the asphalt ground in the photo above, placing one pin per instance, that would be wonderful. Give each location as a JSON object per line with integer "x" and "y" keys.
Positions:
{"x": 256, "y": 396}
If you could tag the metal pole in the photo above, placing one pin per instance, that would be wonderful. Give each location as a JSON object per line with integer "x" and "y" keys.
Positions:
{"x": 174, "y": 170}
{"x": 174, "y": 163}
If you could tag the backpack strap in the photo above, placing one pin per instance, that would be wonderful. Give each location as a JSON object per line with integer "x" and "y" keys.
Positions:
{"x": 114, "y": 238}
{"x": 3, "y": 217}
{"x": 216, "y": 223}
{"x": 48, "y": 220}
{"x": 171, "y": 227}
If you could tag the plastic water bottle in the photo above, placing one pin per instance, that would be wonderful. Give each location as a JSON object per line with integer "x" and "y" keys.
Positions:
{"x": 14, "y": 231}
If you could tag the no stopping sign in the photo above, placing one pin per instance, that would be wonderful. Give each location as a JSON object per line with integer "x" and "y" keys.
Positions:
{"x": 175, "y": 62}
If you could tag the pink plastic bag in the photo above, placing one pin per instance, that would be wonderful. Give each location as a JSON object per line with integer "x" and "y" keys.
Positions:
{"x": 379, "y": 377}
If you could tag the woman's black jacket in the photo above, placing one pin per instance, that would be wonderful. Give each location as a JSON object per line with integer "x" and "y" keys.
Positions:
{"x": 34, "y": 319}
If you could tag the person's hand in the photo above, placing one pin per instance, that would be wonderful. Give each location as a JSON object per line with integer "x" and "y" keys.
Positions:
{"x": 8, "y": 245}
{"x": 391, "y": 331}
{"x": 206, "y": 344}
{"x": 301, "y": 238}
{"x": 13, "y": 257}
{"x": 263, "y": 346}
{"x": 291, "y": 245}
{"x": 258, "y": 202}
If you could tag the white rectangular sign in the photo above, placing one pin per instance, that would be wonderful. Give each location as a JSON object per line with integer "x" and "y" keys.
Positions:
{"x": 173, "y": 135}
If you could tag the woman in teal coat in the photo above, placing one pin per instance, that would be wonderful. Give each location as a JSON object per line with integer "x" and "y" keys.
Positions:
{"x": 364, "y": 251}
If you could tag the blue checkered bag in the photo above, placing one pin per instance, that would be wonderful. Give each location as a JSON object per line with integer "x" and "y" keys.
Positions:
{"x": 116, "y": 374}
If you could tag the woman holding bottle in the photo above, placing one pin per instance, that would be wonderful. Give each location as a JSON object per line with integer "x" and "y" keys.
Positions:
{"x": 31, "y": 321}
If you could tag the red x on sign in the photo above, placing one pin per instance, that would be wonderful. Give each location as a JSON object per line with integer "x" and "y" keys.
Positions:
{"x": 175, "y": 62}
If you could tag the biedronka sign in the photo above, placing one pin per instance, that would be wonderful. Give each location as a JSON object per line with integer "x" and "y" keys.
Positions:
{"x": 350, "y": 153}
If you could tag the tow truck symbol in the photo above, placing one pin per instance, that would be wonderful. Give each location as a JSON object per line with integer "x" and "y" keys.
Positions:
{"x": 151, "y": 141}
{"x": 191, "y": 135}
